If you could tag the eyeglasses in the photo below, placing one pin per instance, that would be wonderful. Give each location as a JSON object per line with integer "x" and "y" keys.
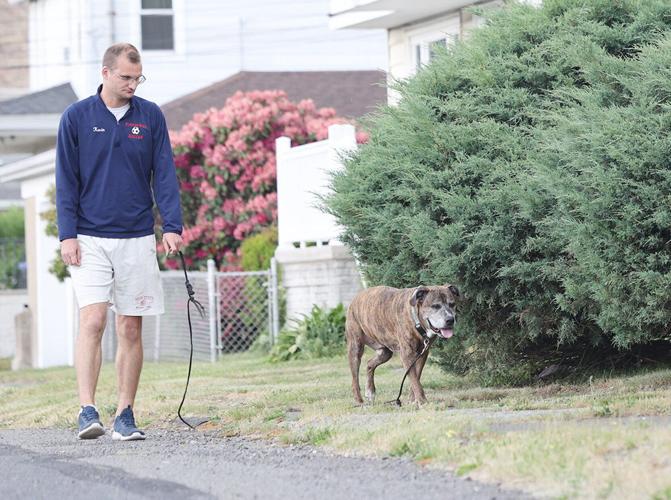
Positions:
{"x": 128, "y": 79}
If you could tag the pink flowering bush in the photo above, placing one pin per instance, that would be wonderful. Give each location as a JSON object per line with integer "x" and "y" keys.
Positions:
{"x": 225, "y": 161}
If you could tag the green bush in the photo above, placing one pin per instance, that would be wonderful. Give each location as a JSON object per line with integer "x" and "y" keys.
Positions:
{"x": 256, "y": 251}
{"x": 530, "y": 166}
{"x": 58, "y": 267}
{"x": 12, "y": 247}
{"x": 11, "y": 223}
{"x": 317, "y": 335}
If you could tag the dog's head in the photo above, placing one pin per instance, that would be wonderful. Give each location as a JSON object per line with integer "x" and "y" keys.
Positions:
{"x": 436, "y": 307}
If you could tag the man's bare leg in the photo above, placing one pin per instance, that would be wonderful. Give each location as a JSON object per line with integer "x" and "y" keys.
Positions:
{"x": 129, "y": 358}
{"x": 88, "y": 350}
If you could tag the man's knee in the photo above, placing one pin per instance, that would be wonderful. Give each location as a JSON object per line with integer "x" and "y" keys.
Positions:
{"x": 92, "y": 320}
{"x": 129, "y": 328}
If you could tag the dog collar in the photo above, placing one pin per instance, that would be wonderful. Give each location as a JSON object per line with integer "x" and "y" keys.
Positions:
{"x": 418, "y": 326}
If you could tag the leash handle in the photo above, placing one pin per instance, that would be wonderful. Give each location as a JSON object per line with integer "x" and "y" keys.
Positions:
{"x": 427, "y": 344}
{"x": 199, "y": 307}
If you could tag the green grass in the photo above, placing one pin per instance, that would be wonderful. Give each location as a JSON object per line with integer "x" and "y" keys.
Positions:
{"x": 557, "y": 440}
{"x": 5, "y": 364}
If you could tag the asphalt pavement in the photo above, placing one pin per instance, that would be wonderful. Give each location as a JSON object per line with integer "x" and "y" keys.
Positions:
{"x": 54, "y": 464}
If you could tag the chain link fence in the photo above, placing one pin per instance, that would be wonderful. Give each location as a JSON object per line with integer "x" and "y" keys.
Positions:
{"x": 239, "y": 306}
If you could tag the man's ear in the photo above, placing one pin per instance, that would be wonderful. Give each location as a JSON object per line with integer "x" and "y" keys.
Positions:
{"x": 418, "y": 295}
{"x": 454, "y": 290}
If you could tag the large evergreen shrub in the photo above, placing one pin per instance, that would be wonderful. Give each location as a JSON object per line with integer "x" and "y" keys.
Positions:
{"x": 528, "y": 165}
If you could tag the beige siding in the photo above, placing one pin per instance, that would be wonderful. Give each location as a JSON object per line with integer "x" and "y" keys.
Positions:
{"x": 13, "y": 48}
{"x": 400, "y": 40}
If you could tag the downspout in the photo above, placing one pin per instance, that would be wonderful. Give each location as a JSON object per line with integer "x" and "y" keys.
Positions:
{"x": 112, "y": 14}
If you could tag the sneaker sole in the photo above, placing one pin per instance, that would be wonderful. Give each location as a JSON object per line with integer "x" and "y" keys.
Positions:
{"x": 136, "y": 436}
{"x": 92, "y": 431}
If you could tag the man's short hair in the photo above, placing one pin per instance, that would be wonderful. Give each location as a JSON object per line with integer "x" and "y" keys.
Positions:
{"x": 113, "y": 53}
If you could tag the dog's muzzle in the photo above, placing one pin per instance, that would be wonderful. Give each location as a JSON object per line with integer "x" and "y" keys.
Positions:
{"x": 445, "y": 333}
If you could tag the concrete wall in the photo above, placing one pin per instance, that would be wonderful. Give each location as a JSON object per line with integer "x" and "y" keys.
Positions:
{"x": 325, "y": 276}
{"x": 213, "y": 40}
{"x": 11, "y": 303}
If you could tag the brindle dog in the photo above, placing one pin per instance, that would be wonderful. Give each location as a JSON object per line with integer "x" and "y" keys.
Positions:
{"x": 383, "y": 319}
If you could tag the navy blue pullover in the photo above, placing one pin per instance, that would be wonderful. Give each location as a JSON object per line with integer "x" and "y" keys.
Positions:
{"x": 105, "y": 169}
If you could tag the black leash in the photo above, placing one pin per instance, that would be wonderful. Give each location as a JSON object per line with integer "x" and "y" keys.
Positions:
{"x": 427, "y": 344}
{"x": 199, "y": 307}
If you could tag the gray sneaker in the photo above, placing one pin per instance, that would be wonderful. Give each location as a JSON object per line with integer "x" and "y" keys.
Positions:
{"x": 125, "y": 428}
{"x": 90, "y": 426}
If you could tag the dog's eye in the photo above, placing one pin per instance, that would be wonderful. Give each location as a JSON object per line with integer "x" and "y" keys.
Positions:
{"x": 436, "y": 306}
{"x": 450, "y": 305}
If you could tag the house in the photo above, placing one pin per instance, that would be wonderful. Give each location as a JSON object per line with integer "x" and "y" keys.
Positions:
{"x": 47, "y": 297}
{"x": 186, "y": 46}
{"x": 28, "y": 124}
{"x": 13, "y": 82}
{"x": 414, "y": 29}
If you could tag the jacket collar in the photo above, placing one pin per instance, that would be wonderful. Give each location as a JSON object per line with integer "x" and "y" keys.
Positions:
{"x": 100, "y": 99}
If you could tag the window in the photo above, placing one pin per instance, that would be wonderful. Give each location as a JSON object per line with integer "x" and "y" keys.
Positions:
{"x": 428, "y": 39}
{"x": 427, "y": 49}
{"x": 157, "y": 25}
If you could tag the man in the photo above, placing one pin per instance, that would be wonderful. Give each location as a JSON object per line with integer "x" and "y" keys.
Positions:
{"x": 113, "y": 153}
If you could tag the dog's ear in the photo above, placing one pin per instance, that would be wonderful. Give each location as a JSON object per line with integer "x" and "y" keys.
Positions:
{"x": 418, "y": 295}
{"x": 454, "y": 290}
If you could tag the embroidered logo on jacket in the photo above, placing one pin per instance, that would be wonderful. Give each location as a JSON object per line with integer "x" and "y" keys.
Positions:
{"x": 136, "y": 130}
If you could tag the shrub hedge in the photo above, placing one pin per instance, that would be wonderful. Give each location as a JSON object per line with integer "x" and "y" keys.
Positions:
{"x": 530, "y": 166}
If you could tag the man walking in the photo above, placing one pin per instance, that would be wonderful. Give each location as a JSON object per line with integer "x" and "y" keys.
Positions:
{"x": 113, "y": 154}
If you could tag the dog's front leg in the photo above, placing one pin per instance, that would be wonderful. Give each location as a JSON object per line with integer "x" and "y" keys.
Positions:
{"x": 419, "y": 367}
{"x": 416, "y": 391}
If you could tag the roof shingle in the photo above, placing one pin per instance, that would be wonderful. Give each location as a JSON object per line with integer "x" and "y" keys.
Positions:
{"x": 351, "y": 93}
{"x": 53, "y": 100}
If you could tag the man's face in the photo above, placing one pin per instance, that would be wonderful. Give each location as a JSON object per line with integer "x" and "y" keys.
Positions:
{"x": 122, "y": 80}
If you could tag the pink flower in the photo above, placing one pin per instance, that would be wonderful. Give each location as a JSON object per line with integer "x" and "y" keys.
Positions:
{"x": 225, "y": 161}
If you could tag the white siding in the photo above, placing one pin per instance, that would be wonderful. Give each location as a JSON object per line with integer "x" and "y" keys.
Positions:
{"x": 213, "y": 40}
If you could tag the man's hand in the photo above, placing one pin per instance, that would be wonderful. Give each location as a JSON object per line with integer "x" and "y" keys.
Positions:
{"x": 172, "y": 242}
{"x": 70, "y": 252}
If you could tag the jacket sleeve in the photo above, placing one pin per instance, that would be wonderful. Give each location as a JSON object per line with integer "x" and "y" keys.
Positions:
{"x": 166, "y": 188}
{"x": 67, "y": 177}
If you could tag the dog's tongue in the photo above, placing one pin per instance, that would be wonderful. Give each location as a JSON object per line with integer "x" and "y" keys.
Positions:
{"x": 446, "y": 332}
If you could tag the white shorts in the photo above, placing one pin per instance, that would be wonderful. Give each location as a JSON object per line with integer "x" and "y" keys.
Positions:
{"x": 120, "y": 271}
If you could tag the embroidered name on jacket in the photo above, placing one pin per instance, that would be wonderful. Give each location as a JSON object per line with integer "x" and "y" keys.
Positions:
{"x": 137, "y": 130}
{"x": 98, "y": 129}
